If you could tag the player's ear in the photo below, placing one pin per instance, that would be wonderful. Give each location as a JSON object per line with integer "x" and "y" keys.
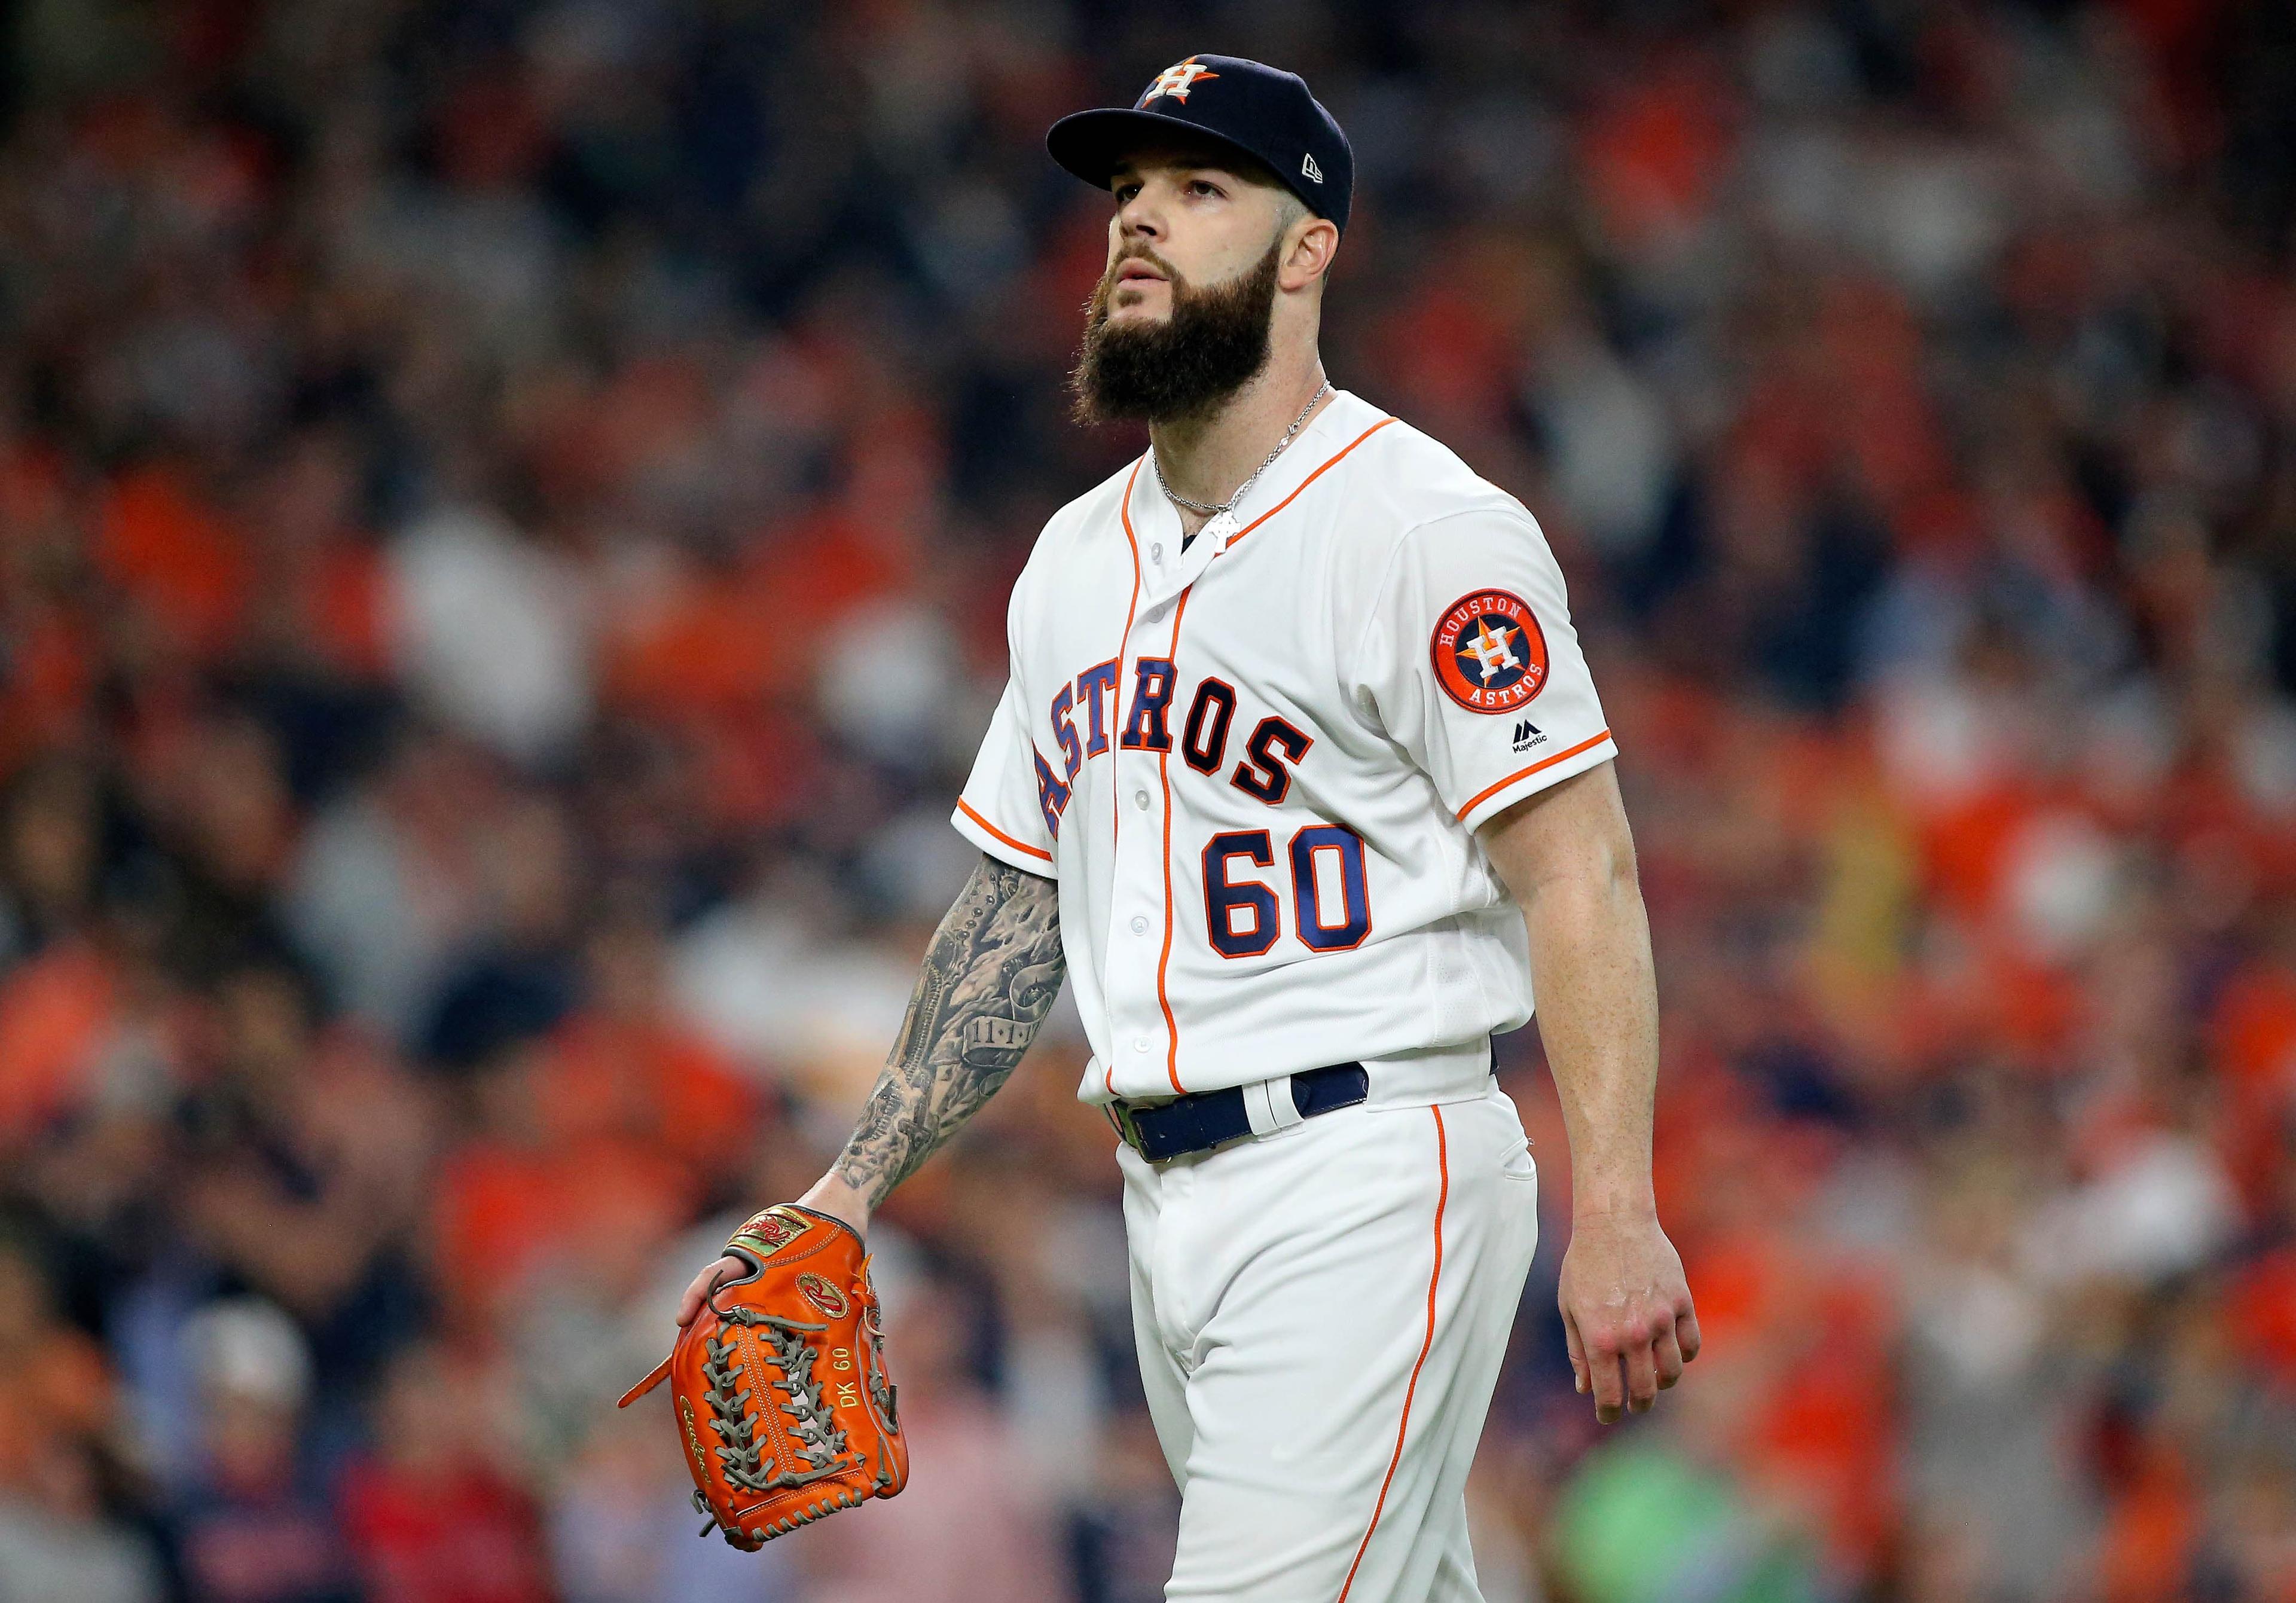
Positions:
{"x": 1309, "y": 243}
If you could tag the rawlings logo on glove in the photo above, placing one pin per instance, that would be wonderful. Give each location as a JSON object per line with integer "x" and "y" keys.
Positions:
{"x": 784, "y": 1405}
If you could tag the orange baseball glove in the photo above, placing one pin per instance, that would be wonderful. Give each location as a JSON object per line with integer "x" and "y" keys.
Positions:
{"x": 784, "y": 1405}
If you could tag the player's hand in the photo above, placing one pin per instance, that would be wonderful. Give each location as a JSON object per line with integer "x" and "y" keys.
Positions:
{"x": 829, "y": 1196}
{"x": 698, "y": 1290}
{"x": 1625, "y": 1311}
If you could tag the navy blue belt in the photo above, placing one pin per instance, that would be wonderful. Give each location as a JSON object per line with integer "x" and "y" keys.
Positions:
{"x": 1204, "y": 1119}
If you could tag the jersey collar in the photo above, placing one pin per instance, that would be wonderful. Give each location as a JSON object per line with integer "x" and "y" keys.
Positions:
{"x": 1166, "y": 569}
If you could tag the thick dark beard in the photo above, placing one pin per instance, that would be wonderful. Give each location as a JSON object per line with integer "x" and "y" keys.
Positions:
{"x": 1215, "y": 342}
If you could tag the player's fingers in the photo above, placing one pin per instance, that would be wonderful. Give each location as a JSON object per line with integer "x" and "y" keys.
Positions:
{"x": 1685, "y": 1331}
{"x": 1604, "y": 1351}
{"x": 698, "y": 1290}
{"x": 1578, "y": 1351}
{"x": 1642, "y": 1371}
{"x": 1666, "y": 1352}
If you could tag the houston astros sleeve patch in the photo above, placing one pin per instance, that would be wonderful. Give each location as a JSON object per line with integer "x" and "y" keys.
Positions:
{"x": 1489, "y": 652}
{"x": 1469, "y": 628}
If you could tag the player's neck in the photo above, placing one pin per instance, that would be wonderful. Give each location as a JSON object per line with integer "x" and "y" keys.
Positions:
{"x": 1206, "y": 458}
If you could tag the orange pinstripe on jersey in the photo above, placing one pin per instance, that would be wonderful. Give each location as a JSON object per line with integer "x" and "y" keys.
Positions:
{"x": 1164, "y": 778}
{"x": 1443, "y": 1164}
{"x": 1116, "y": 790}
{"x": 1484, "y": 795}
{"x": 1164, "y": 758}
{"x": 1018, "y": 845}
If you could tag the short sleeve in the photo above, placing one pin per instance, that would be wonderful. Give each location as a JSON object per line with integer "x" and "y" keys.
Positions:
{"x": 1472, "y": 666}
{"x": 1002, "y": 808}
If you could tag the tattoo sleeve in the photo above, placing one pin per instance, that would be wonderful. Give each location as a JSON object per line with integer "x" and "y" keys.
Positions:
{"x": 989, "y": 978}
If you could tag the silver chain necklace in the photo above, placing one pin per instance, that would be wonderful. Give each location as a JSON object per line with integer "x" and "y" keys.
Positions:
{"x": 1245, "y": 488}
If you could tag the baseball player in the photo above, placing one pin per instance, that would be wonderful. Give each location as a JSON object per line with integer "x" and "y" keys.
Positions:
{"x": 1300, "y": 777}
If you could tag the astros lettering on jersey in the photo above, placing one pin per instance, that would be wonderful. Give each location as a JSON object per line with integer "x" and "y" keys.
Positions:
{"x": 1255, "y": 764}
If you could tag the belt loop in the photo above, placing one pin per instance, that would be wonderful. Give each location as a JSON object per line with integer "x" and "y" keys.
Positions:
{"x": 1259, "y": 1102}
{"x": 1283, "y": 1102}
{"x": 1270, "y": 1105}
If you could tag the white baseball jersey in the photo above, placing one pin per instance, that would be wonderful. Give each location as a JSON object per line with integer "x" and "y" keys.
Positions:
{"x": 1255, "y": 763}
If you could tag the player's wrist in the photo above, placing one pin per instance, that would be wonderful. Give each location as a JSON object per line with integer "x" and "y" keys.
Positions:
{"x": 1624, "y": 1207}
{"x": 841, "y": 1200}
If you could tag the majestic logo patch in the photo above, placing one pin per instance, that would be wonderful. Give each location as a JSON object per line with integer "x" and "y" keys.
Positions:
{"x": 823, "y": 1296}
{"x": 1489, "y": 652}
{"x": 1176, "y": 80}
{"x": 1527, "y": 734}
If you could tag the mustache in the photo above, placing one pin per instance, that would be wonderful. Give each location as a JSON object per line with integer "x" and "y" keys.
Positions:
{"x": 1097, "y": 303}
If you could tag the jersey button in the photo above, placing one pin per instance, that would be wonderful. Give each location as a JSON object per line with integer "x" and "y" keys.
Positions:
{"x": 1139, "y": 926}
{"x": 1140, "y": 1044}
{"x": 1140, "y": 800}
{"x": 1156, "y": 552}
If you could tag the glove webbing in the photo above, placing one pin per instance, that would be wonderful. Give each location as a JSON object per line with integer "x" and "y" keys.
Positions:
{"x": 816, "y": 1427}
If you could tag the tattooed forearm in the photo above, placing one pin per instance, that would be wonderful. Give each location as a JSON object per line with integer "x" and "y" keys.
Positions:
{"x": 989, "y": 978}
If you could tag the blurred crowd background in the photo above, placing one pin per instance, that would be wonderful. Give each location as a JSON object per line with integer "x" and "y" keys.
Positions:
{"x": 505, "y": 515}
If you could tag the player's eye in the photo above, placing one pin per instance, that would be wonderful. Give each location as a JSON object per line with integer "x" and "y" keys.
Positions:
{"x": 1203, "y": 186}
{"x": 1125, "y": 192}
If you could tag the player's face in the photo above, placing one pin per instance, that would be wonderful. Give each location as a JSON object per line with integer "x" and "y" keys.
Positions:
{"x": 1182, "y": 316}
{"x": 1181, "y": 215}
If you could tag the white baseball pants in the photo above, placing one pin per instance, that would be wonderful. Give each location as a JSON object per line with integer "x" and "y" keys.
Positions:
{"x": 1320, "y": 1314}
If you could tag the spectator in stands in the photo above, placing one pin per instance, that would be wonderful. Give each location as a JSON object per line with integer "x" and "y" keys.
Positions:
{"x": 255, "y": 1523}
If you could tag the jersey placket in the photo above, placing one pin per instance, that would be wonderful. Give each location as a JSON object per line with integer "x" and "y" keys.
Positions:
{"x": 1144, "y": 928}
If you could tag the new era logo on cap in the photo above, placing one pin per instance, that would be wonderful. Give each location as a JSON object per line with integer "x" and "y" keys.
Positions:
{"x": 1309, "y": 170}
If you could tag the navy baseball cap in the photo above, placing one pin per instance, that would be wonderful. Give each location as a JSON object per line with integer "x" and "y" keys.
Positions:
{"x": 1263, "y": 111}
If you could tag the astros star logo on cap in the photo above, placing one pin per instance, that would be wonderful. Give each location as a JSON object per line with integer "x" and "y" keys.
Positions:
{"x": 1177, "y": 79}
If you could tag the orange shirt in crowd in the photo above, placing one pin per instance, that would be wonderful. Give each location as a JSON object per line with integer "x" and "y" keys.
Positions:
{"x": 176, "y": 558}
{"x": 505, "y": 1211}
{"x": 55, "y": 1014}
{"x": 653, "y": 1081}
{"x": 2149, "y": 1531}
{"x": 59, "y": 1388}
